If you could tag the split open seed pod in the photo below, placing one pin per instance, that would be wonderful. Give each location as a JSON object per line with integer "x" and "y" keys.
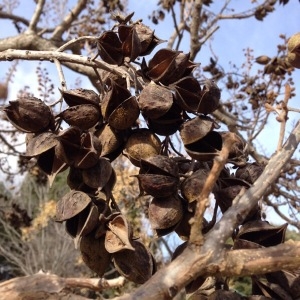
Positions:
{"x": 187, "y": 93}
{"x": 110, "y": 48}
{"x": 113, "y": 98}
{"x": 167, "y": 124}
{"x": 157, "y": 185}
{"x": 210, "y": 98}
{"x": 83, "y": 223}
{"x": 191, "y": 187}
{"x": 41, "y": 143}
{"x": 111, "y": 140}
{"x": 98, "y": 175}
{"x": 136, "y": 265}
{"x": 119, "y": 235}
{"x": 199, "y": 140}
{"x": 94, "y": 254}
{"x": 155, "y": 100}
{"x": 262, "y": 233}
{"x": 125, "y": 115}
{"x": 71, "y": 204}
{"x": 195, "y": 129}
{"x": 207, "y": 148}
{"x": 165, "y": 212}
{"x": 141, "y": 144}
{"x": 160, "y": 164}
{"x": 131, "y": 45}
{"x": 229, "y": 188}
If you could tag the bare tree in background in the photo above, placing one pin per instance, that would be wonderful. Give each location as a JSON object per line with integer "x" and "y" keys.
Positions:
{"x": 186, "y": 147}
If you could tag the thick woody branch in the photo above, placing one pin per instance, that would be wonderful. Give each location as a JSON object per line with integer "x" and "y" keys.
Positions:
{"x": 67, "y": 22}
{"x": 73, "y": 61}
{"x": 194, "y": 29}
{"x": 50, "y": 284}
{"x": 261, "y": 261}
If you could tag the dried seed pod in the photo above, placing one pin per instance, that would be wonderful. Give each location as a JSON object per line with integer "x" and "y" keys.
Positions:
{"x": 84, "y": 116}
{"x": 51, "y": 162}
{"x": 195, "y": 129}
{"x": 165, "y": 212}
{"x": 116, "y": 95}
{"x": 80, "y": 96}
{"x": 88, "y": 154}
{"x": 74, "y": 179}
{"x": 97, "y": 176}
{"x": 167, "y": 124}
{"x": 124, "y": 115}
{"x": 137, "y": 265}
{"x": 250, "y": 172}
{"x": 83, "y": 223}
{"x": 29, "y": 114}
{"x": 110, "y": 48}
{"x": 112, "y": 141}
{"x": 210, "y": 98}
{"x": 162, "y": 65}
{"x": 71, "y": 204}
{"x": 192, "y": 186}
{"x": 119, "y": 235}
{"x": 188, "y": 93}
{"x": 160, "y": 164}
{"x": 94, "y": 253}
{"x": 158, "y": 185}
{"x": 131, "y": 46}
{"x": 155, "y": 100}
{"x": 229, "y": 188}
{"x": 147, "y": 38}
{"x": 141, "y": 144}
{"x": 294, "y": 50}
{"x": 263, "y": 59}
{"x": 206, "y": 148}
{"x": 41, "y": 143}
{"x": 262, "y": 233}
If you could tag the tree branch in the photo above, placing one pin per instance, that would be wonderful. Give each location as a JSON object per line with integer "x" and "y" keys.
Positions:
{"x": 36, "y": 16}
{"x": 31, "y": 286}
{"x": 73, "y": 61}
{"x": 68, "y": 20}
{"x": 247, "y": 262}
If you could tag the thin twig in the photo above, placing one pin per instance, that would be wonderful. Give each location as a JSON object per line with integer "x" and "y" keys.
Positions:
{"x": 282, "y": 118}
{"x": 60, "y": 74}
{"x": 202, "y": 201}
{"x": 75, "y": 41}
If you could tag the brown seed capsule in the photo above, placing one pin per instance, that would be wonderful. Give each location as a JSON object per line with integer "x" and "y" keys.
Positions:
{"x": 141, "y": 144}
{"x": 158, "y": 185}
{"x": 80, "y": 96}
{"x": 30, "y": 114}
{"x": 294, "y": 50}
{"x": 165, "y": 212}
{"x": 136, "y": 265}
{"x": 84, "y": 116}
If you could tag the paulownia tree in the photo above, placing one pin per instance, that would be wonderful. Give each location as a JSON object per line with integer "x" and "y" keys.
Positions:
{"x": 192, "y": 150}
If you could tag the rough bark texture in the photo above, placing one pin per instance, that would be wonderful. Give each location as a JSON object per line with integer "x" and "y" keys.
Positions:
{"x": 49, "y": 286}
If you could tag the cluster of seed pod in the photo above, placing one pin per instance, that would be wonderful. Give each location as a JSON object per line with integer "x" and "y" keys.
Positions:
{"x": 102, "y": 127}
